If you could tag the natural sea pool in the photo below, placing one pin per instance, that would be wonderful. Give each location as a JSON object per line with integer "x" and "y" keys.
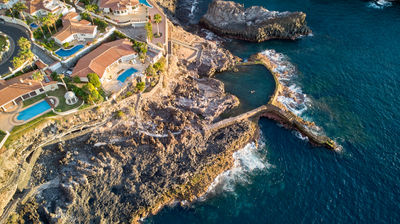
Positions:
{"x": 349, "y": 70}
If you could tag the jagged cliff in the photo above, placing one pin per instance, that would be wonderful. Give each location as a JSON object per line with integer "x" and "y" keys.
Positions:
{"x": 255, "y": 23}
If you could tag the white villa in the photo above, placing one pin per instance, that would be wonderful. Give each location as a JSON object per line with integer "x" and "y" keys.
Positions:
{"x": 118, "y": 7}
{"x": 21, "y": 88}
{"x": 43, "y": 7}
{"x": 75, "y": 29}
{"x": 103, "y": 59}
{"x": 9, "y": 4}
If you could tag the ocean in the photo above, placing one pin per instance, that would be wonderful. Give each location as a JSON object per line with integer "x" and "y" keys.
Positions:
{"x": 349, "y": 71}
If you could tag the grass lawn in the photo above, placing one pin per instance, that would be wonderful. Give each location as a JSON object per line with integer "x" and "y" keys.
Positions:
{"x": 20, "y": 130}
{"x": 59, "y": 93}
{"x": 2, "y": 135}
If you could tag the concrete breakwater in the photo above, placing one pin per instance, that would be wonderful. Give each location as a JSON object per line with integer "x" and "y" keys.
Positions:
{"x": 276, "y": 110}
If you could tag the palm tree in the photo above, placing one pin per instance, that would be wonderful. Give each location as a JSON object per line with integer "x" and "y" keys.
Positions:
{"x": 24, "y": 44}
{"x": 91, "y": 8}
{"x": 157, "y": 19}
{"x": 47, "y": 22}
{"x": 61, "y": 76}
{"x": 38, "y": 76}
{"x": 20, "y": 7}
{"x": 38, "y": 21}
{"x": 149, "y": 31}
{"x": 53, "y": 20}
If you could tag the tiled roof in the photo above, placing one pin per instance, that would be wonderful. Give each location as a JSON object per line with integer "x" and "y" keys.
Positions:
{"x": 102, "y": 57}
{"x": 72, "y": 26}
{"x": 117, "y": 4}
{"x": 19, "y": 86}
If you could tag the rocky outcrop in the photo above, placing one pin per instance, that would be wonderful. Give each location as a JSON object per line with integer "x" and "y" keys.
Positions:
{"x": 255, "y": 23}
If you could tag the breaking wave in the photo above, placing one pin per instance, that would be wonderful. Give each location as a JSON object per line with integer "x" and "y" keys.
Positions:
{"x": 380, "y": 4}
{"x": 246, "y": 162}
{"x": 293, "y": 99}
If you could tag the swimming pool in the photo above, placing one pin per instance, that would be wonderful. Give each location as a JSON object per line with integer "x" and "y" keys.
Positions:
{"x": 34, "y": 25}
{"x": 144, "y": 2}
{"x": 127, "y": 73}
{"x": 69, "y": 52}
{"x": 33, "y": 111}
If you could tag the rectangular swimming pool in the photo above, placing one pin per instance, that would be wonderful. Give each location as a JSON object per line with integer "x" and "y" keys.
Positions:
{"x": 33, "y": 111}
{"x": 69, "y": 52}
{"x": 127, "y": 73}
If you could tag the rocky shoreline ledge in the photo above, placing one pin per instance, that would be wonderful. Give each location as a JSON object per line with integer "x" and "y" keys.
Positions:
{"x": 255, "y": 24}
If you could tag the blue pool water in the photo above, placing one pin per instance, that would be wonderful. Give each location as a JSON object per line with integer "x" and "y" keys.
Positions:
{"x": 350, "y": 71}
{"x": 33, "y": 111}
{"x": 127, "y": 73}
{"x": 145, "y": 3}
{"x": 69, "y": 52}
{"x": 33, "y": 25}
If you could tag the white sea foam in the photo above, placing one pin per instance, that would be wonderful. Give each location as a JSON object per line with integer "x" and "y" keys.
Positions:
{"x": 295, "y": 100}
{"x": 246, "y": 161}
{"x": 380, "y": 4}
{"x": 193, "y": 8}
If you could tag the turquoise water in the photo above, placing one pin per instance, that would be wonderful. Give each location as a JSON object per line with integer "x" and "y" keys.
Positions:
{"x": 69, "y": 52}
{"x": 145, "y": 3}
{"x": 350, "y": 71}
{"x": 33, "y": 111}
{"x": 127, "y": 73}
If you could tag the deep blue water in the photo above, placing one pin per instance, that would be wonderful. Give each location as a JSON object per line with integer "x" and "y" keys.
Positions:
{"x": 69, "y": 52}
{"x": 350, "y": 69}
{"x": 127, "y": 73}
{"x": 33, "y": 111}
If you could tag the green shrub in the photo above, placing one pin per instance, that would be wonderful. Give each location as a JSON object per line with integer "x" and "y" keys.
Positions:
{"x": 119, "y": 114}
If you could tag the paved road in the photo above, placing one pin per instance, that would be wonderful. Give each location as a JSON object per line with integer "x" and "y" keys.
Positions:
{"x": 15, "y": 32}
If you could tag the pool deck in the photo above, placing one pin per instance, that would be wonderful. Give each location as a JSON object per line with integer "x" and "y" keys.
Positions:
{"x": 14, "y": 121}
{"x": 111, "y": 84}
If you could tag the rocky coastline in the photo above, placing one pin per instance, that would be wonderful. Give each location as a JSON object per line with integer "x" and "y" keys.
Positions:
{"x": 255, "y": 24}
{"x": 95, "y": 167}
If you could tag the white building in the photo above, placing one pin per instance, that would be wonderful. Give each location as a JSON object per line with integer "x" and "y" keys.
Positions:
{"x": 75, "y": 29}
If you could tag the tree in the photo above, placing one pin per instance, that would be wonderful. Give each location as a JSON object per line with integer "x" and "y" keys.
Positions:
{"x": 160, "y": 64}
{"x": 47, "y": 22}
{"x": 157, "y": 19}
{"x": 91, "y": 8}
{"x": 17, "y": 62}
{"x": 38, "y": 76}
{"x": 20, "y": 7}
{"x": 149, "y": 31}
{"x": 38, "y": 21}
{"x": 24, "y": 44}
{"x": 61, "y": 76}
{"x": 94, "y": 80}
{"x": 140, "y": 86}
{"x": 150, "y": 71}
{"x": 52, "y": 20}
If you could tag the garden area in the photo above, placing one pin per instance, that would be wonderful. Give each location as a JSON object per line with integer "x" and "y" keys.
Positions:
{"x": 59, "y": 93}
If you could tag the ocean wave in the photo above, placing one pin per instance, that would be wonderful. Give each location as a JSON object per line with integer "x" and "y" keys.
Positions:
{"x": 294, "y": 99}
{"x": 246, "y": 161}
{"x": 380, "y": 4}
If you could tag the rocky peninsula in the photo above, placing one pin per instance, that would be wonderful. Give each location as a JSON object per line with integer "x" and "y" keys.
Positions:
{"x": 255, "y": 24}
